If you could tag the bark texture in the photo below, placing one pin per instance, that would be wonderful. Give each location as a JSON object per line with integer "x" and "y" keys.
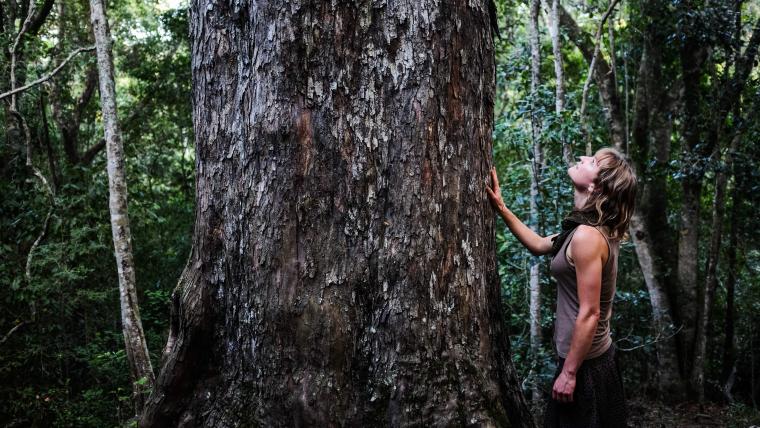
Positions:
{"x": 134, "y": 339}
{"x": 343, "y": 270}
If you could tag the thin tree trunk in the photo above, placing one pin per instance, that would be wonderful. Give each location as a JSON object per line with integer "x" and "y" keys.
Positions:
{"x": 30, "y": 25}
{"x": 728, "y": 373}
{"x": 729, "y": 345}
{"x": 603, "y": 75}
{"x": 610, "y": 81}
{"x": 535, "y": 190}
{"x": 343, "y": 268}
{"x": 711, "y": 281}
{"x": 559, "y": 75}
{"x": 48, "y": 145}
{"x": 692, "y": 56}
{"x": 134, "y": 338}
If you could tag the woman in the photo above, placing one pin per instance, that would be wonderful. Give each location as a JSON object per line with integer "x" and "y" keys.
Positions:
{"x": 587, "y": 389}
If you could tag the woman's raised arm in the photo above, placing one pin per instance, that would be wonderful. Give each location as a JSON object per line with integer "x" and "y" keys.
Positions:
{"x": 536, "y": 244}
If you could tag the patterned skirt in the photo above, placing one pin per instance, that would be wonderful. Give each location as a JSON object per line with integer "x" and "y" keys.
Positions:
{"x": 598, "y": 400}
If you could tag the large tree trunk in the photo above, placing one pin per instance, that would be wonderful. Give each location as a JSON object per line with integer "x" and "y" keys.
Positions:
{"x": 343, "y": 269}
{"x": 134, "y": 339}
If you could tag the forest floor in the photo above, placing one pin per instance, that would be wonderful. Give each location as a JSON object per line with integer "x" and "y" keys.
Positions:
{"x": 646, "y": 413}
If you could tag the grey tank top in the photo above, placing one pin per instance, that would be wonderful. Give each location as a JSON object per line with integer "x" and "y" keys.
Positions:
{"x": 567, "y": 299}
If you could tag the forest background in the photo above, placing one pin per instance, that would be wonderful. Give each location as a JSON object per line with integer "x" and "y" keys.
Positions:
{"x": 675, "y": 86}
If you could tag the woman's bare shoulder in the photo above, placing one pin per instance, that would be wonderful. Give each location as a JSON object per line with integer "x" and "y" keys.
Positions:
{"x": 588, "y": 242}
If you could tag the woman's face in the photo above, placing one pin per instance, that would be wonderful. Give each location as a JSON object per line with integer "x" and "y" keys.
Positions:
{"x": 584, "y": 172}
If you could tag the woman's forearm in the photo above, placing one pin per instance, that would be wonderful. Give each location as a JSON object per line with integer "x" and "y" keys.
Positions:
{"x": 535, "y": 243}
{"x": 583, "y": 336}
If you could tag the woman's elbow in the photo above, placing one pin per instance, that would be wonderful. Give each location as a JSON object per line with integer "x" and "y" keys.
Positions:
{"x": 589, "y": 315}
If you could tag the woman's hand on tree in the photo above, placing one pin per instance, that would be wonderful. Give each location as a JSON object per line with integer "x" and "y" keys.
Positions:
{"x": 494, "y": 193}
{"x": 564, "y": 387}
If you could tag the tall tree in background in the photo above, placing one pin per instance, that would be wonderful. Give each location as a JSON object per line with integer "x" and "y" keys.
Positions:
{"x": 559, "y": 73}
{"x": 655, "y": 98}
{"x": 134, "y": 337}
{"x": 535, "y": 184}
{"x": 602, "y": 73}
{"x": 343, "y": 268}
{"x": 713, "y": 136}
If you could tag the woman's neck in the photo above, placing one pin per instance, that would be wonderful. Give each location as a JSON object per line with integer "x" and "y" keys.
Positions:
{"x": 579, "y": 198}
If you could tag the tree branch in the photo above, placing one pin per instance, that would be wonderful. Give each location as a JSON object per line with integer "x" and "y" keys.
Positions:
{"x": 40, "y": 18}
{"x": 48, "y": 76}
{"x": 86, "y": 95}
{"x": 93, "y": 151}
{"x": 658, "y": 338}
{"x": 12, "y": 330}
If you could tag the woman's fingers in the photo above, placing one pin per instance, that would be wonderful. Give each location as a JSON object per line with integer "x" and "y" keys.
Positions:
{"x": 494, "y": 197}
{"x": 494, "y": 178}
{"x": 491, "y": 194}
{"x": 561, "y": 392}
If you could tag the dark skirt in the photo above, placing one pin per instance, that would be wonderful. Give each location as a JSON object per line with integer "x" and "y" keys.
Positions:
{"x": 598, "y": 399}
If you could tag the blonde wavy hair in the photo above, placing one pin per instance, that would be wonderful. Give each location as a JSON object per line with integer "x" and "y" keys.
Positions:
{"x": 614, "y": 194}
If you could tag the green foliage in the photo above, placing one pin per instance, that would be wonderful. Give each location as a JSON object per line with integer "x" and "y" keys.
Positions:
{"x": 67, "y": 366}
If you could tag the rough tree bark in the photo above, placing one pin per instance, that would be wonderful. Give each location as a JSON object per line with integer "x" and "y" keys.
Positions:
{"x": 343, "y": 268}
{"x": 140, "y": 367}
{"x": 535, "y": 188}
